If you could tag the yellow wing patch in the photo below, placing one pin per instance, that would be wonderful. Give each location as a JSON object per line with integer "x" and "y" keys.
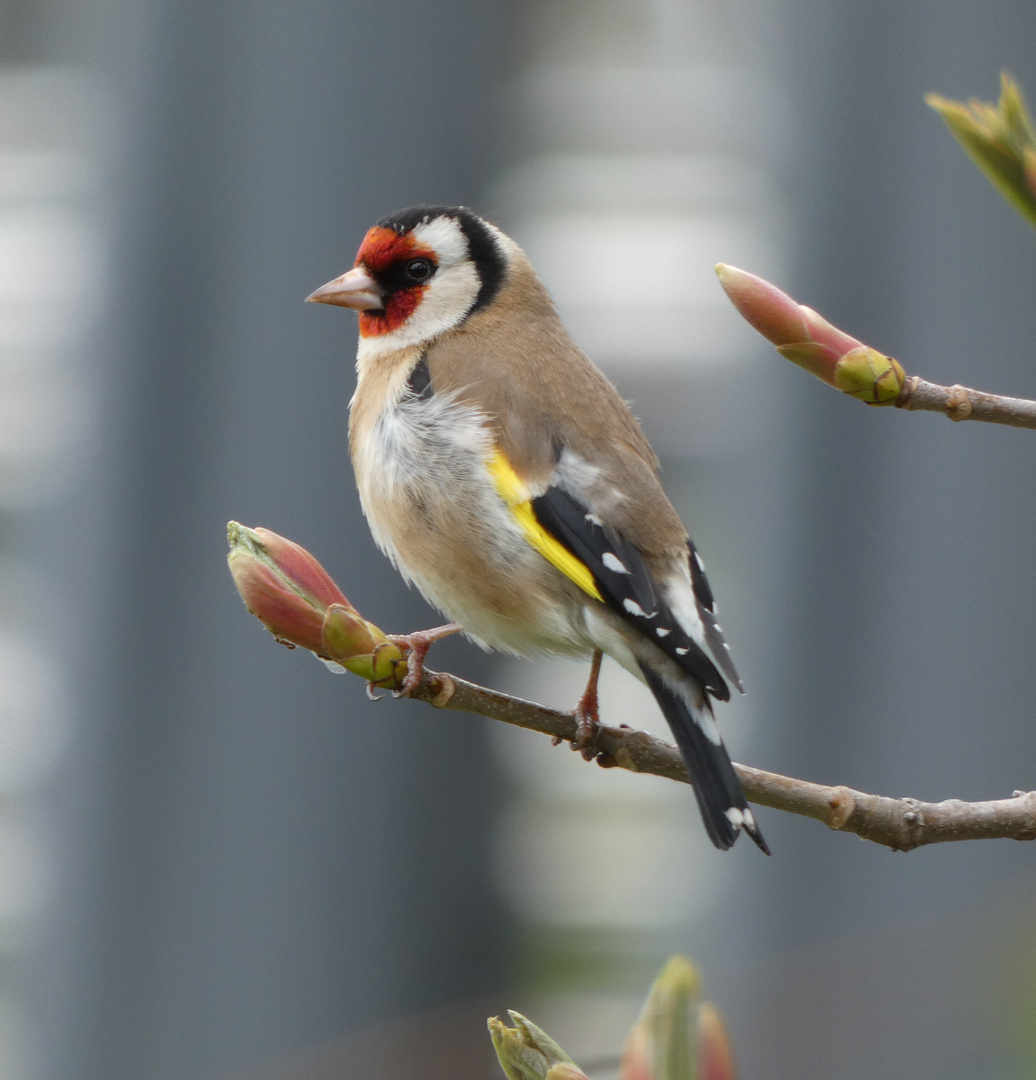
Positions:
{"x": 516, "y": 495}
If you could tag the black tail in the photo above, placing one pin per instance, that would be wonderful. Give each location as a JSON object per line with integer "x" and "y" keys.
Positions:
{"x": 724, "y": 808}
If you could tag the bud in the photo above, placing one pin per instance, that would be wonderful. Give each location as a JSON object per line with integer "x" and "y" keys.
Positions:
{"x": 294, "y": 597}
{"x": 773, "y": 313}
{"x": 999, "y": 140}
{"x": 715, "y": 1056}
{"x": 870, "y": 376}
{"x": 282, "y": 585}
{"x": 565, "y": 1070}
{"x": 359, "y": 646}
{"x": 809, "y": 340}
{"x": 678, "y": 1036}
{"x": 526, "y": 1052}
{"x": 637, "y": 1059}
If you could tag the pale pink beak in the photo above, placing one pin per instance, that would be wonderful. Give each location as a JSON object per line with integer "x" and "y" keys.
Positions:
{"x": 355, "y": 289}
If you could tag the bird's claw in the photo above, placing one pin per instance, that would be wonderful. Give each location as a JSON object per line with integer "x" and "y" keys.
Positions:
{"x": 417, "y": 645}
{"x": 587, "y": 730}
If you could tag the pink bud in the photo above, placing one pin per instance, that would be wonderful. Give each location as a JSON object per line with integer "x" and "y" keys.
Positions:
{"x": 809, "y": 340}
{"x": 282, "y": 585}
{"x": 299, "y": 567}
{"x": 715, "y": 1057}
{"x": 293, "y": 596}
{"x": 773, "y": 313}
{"x": 565, "y": 1070}
{"x": 675, "y": 1030}
{"x": 636, "y": 1061}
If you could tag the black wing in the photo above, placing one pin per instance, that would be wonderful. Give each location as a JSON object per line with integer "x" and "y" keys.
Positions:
{"x": 707, "y": 610}
{"x": 624, "y": 583}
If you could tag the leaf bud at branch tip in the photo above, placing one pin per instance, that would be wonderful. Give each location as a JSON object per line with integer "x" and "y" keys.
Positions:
{"x": 295, "y": 598}
{"x": 809, "y": 340}
{"x": 282, "y": 585}
{"x": 678, "y": 1036}
{"x": 526, "y": 1052}
{"x": 999, "y": 139}
{"x": 566, "y": 1071}
{"x": 773, "y": 313}
{"x": 869, "y": 376}
{"x": 715, "y": 1057}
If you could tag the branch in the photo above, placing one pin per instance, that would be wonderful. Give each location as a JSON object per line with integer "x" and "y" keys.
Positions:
{"x": 293, "y": 596}
{"x": 899, "y": 824}
{"x": 962, "y": 403}
{"x": 842, "y": 361}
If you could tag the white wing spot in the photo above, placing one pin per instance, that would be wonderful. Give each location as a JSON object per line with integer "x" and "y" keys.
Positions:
{"x": 635, "y": 609}
{"x": 736, "y": 817}
{"x": 594, "y": 520}
{"x": 749, "y": 817}
{"x": 700, "y": 564}
{"x": 662, "y": 631}
{"x": 682, "y": 650}
{"x": 613, "y": 563}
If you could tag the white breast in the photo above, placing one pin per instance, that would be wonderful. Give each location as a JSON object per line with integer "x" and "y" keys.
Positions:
{"x": 425, "y": 447}
{"x": 421, "y": 468}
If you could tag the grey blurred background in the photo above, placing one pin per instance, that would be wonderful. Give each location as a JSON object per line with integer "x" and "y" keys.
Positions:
{"x": 218, "y": 862}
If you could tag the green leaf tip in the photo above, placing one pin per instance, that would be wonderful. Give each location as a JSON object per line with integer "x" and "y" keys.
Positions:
{"x": 999, "y": 139}
{"x": 527, "y": 1052}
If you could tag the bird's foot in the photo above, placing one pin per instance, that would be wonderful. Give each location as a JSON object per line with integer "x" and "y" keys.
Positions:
{"x": 586, "y": 712}
{"x": 588, "y": 727}
{"x": 417, "y": 645}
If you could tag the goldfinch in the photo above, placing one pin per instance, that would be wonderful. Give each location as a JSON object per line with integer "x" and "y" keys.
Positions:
{"x": 504, "y": 476}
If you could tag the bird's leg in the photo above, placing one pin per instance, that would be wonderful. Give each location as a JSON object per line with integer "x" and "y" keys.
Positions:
{"x": 588, "y": 721}
{"x": 417, "y": 645}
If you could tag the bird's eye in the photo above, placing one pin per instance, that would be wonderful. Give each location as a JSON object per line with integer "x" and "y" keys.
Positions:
{"x": 419, "y": 270}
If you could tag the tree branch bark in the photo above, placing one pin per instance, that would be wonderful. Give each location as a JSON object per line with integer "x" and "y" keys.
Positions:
{"x": 899, "y": 824}
{"x": 962, "y": 403}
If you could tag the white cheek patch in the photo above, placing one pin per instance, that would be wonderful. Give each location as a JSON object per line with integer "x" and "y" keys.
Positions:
{"x": 447, "y": 298}
{"x": 445, "y": 237}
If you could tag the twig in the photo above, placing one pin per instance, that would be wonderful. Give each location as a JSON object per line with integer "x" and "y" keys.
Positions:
{"x": 899, "y": 824}
{"x": 962, "y": 403}
{"x": 295, "y": 599}
{"x": 806, "y": 338}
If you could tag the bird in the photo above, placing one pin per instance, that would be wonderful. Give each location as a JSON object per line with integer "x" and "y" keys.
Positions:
{"x": 504, "y": 477}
